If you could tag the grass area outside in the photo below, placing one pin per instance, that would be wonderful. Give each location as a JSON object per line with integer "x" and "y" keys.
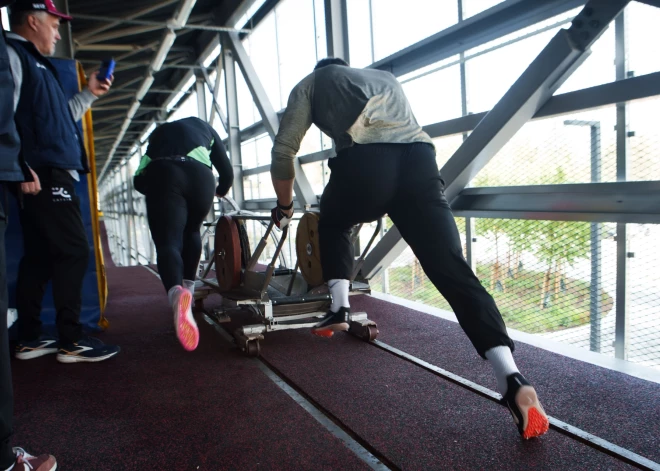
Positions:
{"x": 519, "y": 298}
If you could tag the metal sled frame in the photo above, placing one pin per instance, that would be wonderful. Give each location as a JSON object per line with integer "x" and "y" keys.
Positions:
{"x": 279, "y": 297}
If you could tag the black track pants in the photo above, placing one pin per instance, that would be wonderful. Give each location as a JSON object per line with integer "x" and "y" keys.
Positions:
{"x": 56, "y": 249}
{"x": 179, "y": 196}
{"x": 7, "y": 456}
{"x": 403, "y": 181}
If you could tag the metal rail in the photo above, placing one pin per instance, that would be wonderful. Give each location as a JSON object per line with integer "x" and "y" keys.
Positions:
{"x": 557, "y": 425}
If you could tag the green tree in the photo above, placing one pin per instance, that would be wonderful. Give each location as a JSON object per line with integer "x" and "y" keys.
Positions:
{"x": 522, "y": 236}
{"x": 558, "y": 243}
{"x": 495, "y": 230}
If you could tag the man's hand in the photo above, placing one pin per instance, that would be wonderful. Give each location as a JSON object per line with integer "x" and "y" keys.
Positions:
{"x": 282, "y": 215}
{"x": 31, "y": 188}
{"x": 97, "y": 87}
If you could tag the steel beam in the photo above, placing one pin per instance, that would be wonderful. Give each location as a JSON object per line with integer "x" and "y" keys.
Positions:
{"x": 305, "y": 159}
{"x": 303, "y": 189}
{"x": 621, "y": 330}
{"x": 637, "y": 202}
{"x": 136, "y": 14}
{"x": 113, "y": 98}
{"x": 565, "y": 53}
{"x": 202, "y": 112}
{"x": 120, "y": 33}
{"x": 160, "y": 24}
{"x": 507, "y": 17}
{"x": 628, "y": 202}
{"x": 110, "y": 47}
{"x": 215, "y": 90}
{"x": 336, "y": 29}
{"x": 630, "y": 89}
{"x": 257, "y": 129}
{"x": 234, "y": 129}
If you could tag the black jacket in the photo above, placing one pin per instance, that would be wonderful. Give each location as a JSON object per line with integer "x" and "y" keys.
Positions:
{"x": 12, "y": 169}
{"x": 50, "y": 137}
{"x": 190, "y": 137}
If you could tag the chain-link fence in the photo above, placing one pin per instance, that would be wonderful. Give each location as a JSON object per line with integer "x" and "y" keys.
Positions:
{"x": 557, "y": 279}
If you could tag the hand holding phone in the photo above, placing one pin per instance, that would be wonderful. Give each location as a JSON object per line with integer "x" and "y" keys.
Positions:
{"x": 107, "y": 69}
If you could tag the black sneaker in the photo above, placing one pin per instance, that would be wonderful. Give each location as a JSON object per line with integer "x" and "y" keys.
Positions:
{"x": 527, "y": 412}
{"x": 44, "y": 345}
{"x": 332, "y": 322}
{"x": 87, "y": 349}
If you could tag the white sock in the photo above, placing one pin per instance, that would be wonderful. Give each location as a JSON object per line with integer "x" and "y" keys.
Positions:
{"x": 172, "y": 291}
{"x": 339, "y": 292}
{"x": 190, "y": 284}
{"x": 502, "y": 361}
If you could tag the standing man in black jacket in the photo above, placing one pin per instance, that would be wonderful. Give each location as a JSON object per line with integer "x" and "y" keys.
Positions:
{"x": 55, "y": 242}
{"x": 10, "y": 174}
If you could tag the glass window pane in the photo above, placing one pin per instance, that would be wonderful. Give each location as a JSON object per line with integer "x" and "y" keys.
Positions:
{"x": 435, "y": 97}
{"x": 644, "y": 276}
{"x": 359, "y": 33}
{"x": 643, "y": 146}
{"x": 222, "y": 101}
{"x": 643, "y": 36}
{"x": 258, "y": 187}
{"x": 264, "y": 144}
{"x": 261, "y": 45}
{"x": 555, "y": 151}
{"x": 318, "y": 174}
{"x": 296, "y": 41}
{"x": 186, "y": 108}
{"x": 473, "y": 7}
{"x": 490, "y": 75}
{"x": 445, "y": 147}
{"x": 319, "y": 19}
{"x": 249, "y": 154}
{"x": 247, "y": 111}
{"x": 256, "y": 152}
{"x": 396, "y": 28}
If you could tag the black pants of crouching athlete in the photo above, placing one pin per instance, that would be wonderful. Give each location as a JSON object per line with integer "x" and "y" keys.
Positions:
{"x": 403, "y": 181}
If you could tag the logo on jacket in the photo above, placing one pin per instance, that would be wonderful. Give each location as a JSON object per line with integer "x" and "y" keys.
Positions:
{"x": 41, "y": 66}
{"x": 60, "y": 194}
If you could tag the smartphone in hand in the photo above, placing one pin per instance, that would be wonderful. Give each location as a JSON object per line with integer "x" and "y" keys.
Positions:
{"x": 107, "y": 69}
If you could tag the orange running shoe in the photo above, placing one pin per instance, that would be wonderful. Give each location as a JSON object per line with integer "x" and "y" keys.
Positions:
{"x": 527, "y": 412}
{"x": 184, "y": 322}
{"x": 332, "y": 322}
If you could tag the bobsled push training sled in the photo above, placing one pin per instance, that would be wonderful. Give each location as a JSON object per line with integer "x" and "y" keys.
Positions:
{"x": 277, "y": 296}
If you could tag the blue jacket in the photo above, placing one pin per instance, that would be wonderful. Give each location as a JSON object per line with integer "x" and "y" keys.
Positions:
{"x": 10, "y": 144}
{"x": 49, "y": 135}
